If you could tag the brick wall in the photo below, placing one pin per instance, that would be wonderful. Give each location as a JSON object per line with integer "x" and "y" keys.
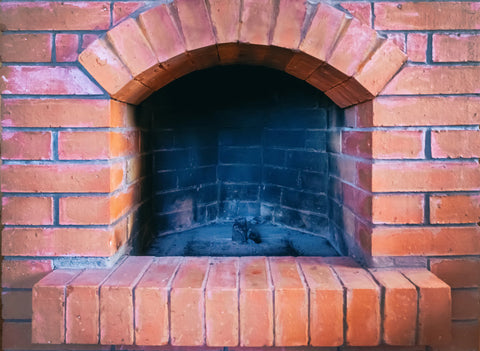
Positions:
{"x": 73, "y": 161}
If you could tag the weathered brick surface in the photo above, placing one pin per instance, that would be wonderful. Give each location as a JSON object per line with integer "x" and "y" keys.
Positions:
{"x": 26, "y": 47}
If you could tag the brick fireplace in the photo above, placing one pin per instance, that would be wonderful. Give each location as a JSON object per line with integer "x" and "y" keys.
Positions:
{"x": 87, "y": 98}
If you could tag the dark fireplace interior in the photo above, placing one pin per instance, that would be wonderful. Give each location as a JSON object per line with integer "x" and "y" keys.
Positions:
{"x": 235, "y": 151}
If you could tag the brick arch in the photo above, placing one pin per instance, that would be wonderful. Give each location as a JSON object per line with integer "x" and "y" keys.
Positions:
{"x": 320, "y": 44}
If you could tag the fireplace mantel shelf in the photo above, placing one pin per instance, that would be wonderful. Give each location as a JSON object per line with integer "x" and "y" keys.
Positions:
{"x": 247, "y": 301}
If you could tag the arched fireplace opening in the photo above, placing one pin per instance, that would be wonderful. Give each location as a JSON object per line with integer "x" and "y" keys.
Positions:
{"x": 238, "y": 164}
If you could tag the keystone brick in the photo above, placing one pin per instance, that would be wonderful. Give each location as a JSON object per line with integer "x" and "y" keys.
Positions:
{"x": 116, "y": 301}
{"x": 66, "y": 47}
{"x": 455, "y": 209}
{"x": 256, "y": 21}
{"x": 455, "y": 143}
{"x": 429, "y": 241}
{"x": 27, "y": 210}
{"x": 151, "y": 302}
{"x": 456, "y": 47}
{"x": 426, "y": 15}
{"x": 79, "y": 15}
{"x": 26, "y": 145}
{"x": 61, "y": 178}
{"x": 83, "y": 306}
{"x": 43, "y": 80}
{"x": 289, "y": 23}
{"x": 291, "y": 303}
{"x": 225, "y": 15}
{"x": 26, "y": 47}
{"x": 457, "y": 272}
{"x": 25, "y": 273}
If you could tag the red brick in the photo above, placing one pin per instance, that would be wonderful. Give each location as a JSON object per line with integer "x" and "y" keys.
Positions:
{"x": 380, "y": 67}
{"x": 289, "y": 23}
{"x": 61, "y": 178}
{"x": 133, "y": 49}
{"x": 83, "y": 306}
{"x": 187, "y": 303}
{"x": 363, "y": 306}
{"x": 256, "y": 303}
{"x": 425, "y": 176}
{"x": 417, "y": 47}
{"x": 27, "y": 210}
{"x": 221, "y": 303}
{"x": 16, "y": 304}
{"x": 87, "y": 39}
{"x": 465, "y": 337}
{"x": 426, "y": 15}
{"x": 291, "y": 303}
{"x": 359, "y": 201}
{"x": 361, "y": 11}
{"x": 225, "y": 16}
{"x": 398, "y": 209}
{"x": 116, "y": 301}
{"x": 256, "y": 21}
{"x": 429, "y": 241}
{"x": 455, "y": 143}
{"x": 456, "y": 47}
{"x": 26, "y": 145}
{"x": 465, "y": 304}
{"x": 62, "y": 113}
{"x": 326, "y": 303}
{"x": 195, "y": 23}
{"x": 418, "y": 111}
{"x": 45, "y": 80}
{"x": 457, "y": 272}
{"x": 434, "y": 307}
{"x": 326, "y": 77}
{"x": 66, "y": 47}
{"x": 55, "y": 15}
{"x": 302, "y": 65}
{"x": 92, "y": 242}
{"x": 455, "y": 209}
{"x": 26, "y": 47}
{"x": 399, "y": 39}
{"x": 122, "y": 10}
{"x": 434, "y": 80}
{"x": 25, "y": 273}
{"x": 354, "y": 46}
{"x": 348, "y": 93}
{"x": 151, "y": 302}
{"x": 399, "y": 308}
{"x": 48, "y": 305}
{"x": 326, "y": 27}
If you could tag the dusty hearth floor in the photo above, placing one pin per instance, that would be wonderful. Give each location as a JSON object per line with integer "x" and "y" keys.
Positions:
{"x": 215, "y": 240}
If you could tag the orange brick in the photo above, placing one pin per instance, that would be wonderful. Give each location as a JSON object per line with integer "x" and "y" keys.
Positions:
{"x": 434, "y": 307}
{"x": 418, "y": 111}
{"x": 256, "y": 22}
{"x": 122, "y": 10}
{"x": 399, "y": 307}
{"x": 25, "y": 273}
{"x": 363, "y": 306}
{"x": 48, "y": 305}
{"x": 425, "y": 176}
{"x": 92, "y": 242}
{"x": 326, "y": 303}
{"x": 426, "y": 15}
{"x": 256, "y": 303}
{"x": 83, "y": 307}
{"x": 455, "y": 209}
{"x": 27, "y": 210}
{"x": 151, "y": 302}
{"x": 291, "y": 303}
{"x": 361, "y": 11}
{"x": 412, "y": 80}
{"x": 225, "y": 16}
{"x": 429, "y": 241}
{"x": 455, "y": 143}
{"x": 62, "y": 113}
{"x": 16, "y": 304}
{"x": 26, "y": 145}
{"x": 46, "y": 80}
{"x": 465, "y": 304}
{"x": 26, "y": 47}
{"x": 417, "y": 47}
{"x": 398, "y": 209}
{"x": 187, "y": 305}
{"x": 289, "y": 23}
{"x": 221, "y": 303}
{"x": 457, "y": 272}
{"x": 456, "y": 47}
{"x": 116, "y": 301}
{"x": 61, "y": 178}
{"x": 55, "y": 15}
{"x": 66, "y": 47}
{"x": 399, "y": 39}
